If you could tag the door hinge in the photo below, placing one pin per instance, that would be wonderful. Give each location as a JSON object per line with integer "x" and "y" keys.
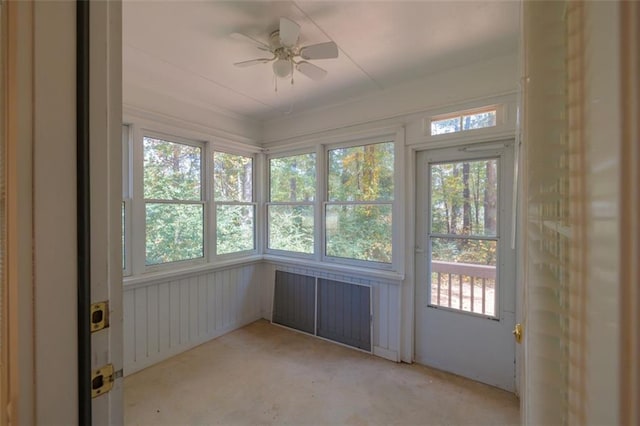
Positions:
{"x": 99, "y": 316}
{"x": 102, "y": 380}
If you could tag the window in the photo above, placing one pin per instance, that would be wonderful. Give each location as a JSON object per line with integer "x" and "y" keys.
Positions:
{"x": 457, "y": 122}
{"x": 463, "y": 235}
{"x": 291, "y": 210}
{"x": 358, "y": 211}
{"x": 234, "y": 206}
{"x": 174, "y": 208}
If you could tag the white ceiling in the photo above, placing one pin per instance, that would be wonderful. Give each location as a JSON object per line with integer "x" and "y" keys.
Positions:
{"x": 182, "y": 49}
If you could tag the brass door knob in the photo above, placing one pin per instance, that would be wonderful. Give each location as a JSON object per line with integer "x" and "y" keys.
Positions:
{"x": 517, "y": 332}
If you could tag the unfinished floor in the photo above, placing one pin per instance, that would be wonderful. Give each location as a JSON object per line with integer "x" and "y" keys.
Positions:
{"x": 264, "y": 374}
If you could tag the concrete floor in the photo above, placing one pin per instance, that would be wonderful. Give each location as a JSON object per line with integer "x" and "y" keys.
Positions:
{"x": 264, "y": 374}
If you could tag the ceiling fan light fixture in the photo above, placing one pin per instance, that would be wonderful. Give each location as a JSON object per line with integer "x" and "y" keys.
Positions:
{"x": 283, "y": 68}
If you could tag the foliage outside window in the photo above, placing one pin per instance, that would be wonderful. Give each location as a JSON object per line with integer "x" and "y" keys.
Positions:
{"x": 174, "y": 210}
{"x": 358, "y": 212}
{"x": 233, "y": 196}
{"x": 290, "y": 212}
{"x": 453, "y": 123}
{"x": 463, "y": 236}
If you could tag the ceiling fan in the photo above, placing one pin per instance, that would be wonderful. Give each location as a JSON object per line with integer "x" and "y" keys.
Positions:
{"x": 287, "y": 54}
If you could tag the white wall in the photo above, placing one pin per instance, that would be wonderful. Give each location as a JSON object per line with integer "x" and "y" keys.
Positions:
{"x": 166, "y": 316}
{"x": 147, "y": 104}
{"x": 439, "y": 91}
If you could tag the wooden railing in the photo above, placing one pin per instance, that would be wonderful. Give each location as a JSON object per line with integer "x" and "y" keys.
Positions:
{"x": 464, "y": 286}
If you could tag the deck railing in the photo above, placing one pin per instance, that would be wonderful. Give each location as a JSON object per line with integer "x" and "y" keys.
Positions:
{"x": 464, "y": 286}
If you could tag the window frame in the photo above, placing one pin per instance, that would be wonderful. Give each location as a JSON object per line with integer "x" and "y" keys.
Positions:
{"x": 145, "y": 133}
{"x": 213, "y": 235}
{"x": 314, "y": 204}
{"x": 396, "y": 139}
{"x": 497, "y": 238}
{"x": 127, "y": 201}
{"x": 460, "y": 114}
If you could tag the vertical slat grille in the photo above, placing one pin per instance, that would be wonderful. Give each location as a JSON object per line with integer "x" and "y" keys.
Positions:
{"x": 546, "y": 194}
{"x": 344, "y": 313}
{"x": 294, "y": 301}
{"x": 575, "y": 18}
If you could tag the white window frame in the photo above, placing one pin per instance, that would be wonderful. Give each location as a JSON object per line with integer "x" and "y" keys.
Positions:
{"x": 213, "y": 235}
{"x": 397, "y": 214}
{"x": 127, "y": 134}
{"x": 315, "y": 204}
{"x": 143, "y": 202}
{"x": 460, "y": 114}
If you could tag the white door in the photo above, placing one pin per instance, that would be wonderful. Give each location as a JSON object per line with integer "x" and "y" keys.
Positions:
{"x": 465, "y": 288}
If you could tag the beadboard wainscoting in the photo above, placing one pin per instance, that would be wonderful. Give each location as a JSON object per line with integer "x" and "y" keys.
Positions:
{"x": 385, "y": 303}
{"x": 170, "y": 315}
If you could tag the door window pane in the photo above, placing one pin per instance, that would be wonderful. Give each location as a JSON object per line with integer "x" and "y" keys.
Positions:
{"x": 463, "y": 274}
{"x": 464, "y": 198}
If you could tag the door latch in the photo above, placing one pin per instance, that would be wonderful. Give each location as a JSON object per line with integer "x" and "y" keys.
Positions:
{"x": 99, "y": 316}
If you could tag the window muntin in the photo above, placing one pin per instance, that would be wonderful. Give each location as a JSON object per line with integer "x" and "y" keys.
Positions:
{"x": 463, "y": 121}
{"x": 174, "y": 209}
{"x": 234, "y": 205}
{"x": 291, "y": 207}
{"x": 360, "y": 194}
{"x": 463, "y": 235}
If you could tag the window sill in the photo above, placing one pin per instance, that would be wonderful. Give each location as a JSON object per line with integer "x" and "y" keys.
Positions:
{"x": 376, "y": 274}
{"x": 151, "y": 277}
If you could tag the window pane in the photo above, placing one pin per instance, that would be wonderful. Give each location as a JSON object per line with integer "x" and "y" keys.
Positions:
{"x": 463, "y": 274}
{"x": 293, "y": 178}
{"x": 360, "y": 232}
{"x": 234, "y": 228}
{"x": 232, "y": 176}
{"x": 291, "y": 228}
{"x": 479, "y": 120}
{"x": 464, "y": 198}
{"x": 448, "y": 125}
{"x": 174, "y": 232}
{"x": 171, "y": 170}
{"x": 361, "y": 173}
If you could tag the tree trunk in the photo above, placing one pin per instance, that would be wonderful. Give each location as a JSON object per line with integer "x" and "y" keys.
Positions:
{"x": 466, "y": 208}
{"x": 454, "y": 204}
{"x": 491, "y": 199}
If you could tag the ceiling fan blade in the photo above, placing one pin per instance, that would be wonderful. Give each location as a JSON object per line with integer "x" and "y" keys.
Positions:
{"x": 312, "y": 71}
{"x": 257, "y": 43}
{"x": 289, "y": 32}
{"x": 251, "y": 62}
{"x": 326, "y": 50}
